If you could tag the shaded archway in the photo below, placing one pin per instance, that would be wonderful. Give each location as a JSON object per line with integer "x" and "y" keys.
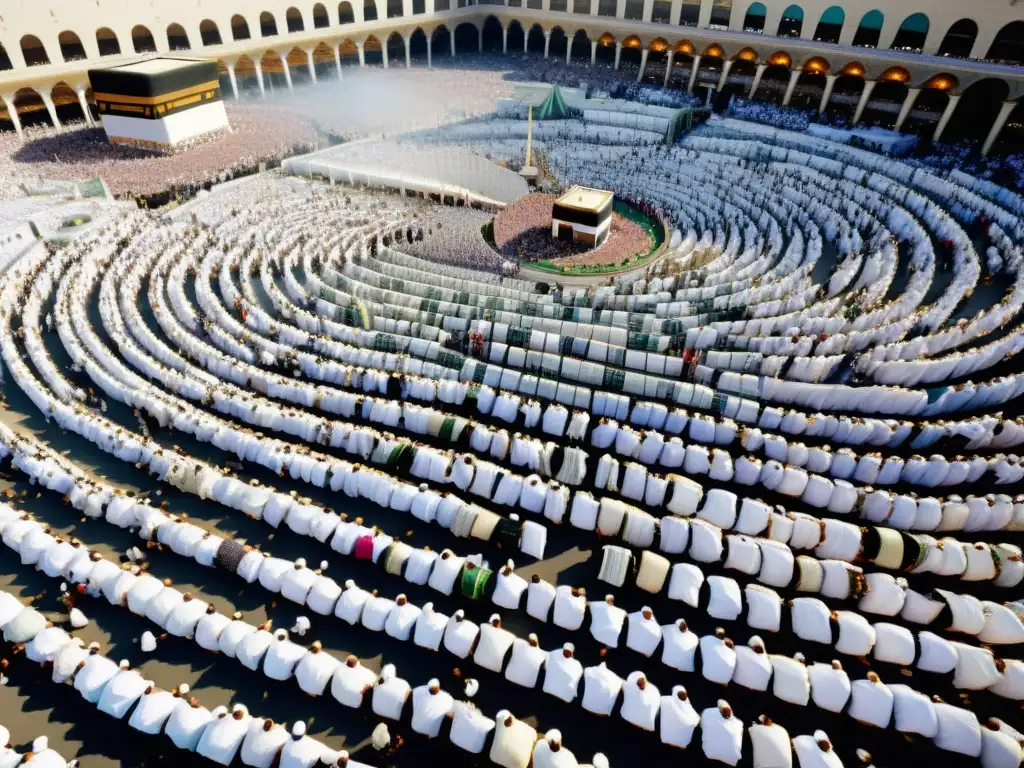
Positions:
{"x": 373, "y": 54}
{"x": 177, "y": 39}
{"x": 580, "y": 46}
{"x": 516, "y": 37}
{"x": 1008, "y": 44}
{"x": 911, "y": 34}
{"x": 30, "y": 108}
{"x": 273, "y": 72}
{"x": 320, "y": 17}
{"x": 106, "y": 42}
{"x": 977, "y": 110}
{"x": 65, "y": 100}
{"x": 606, "y": 49}
{"x": 440, "y": 41}
{"x": 632, "y": 52}
{"x": 929, "y": 105}
{"x": 323, "y": 61}
{"x": 492, "y": 34}
{"x": 293, "y": 20}
{"x": 5, "y": 60}
{"x": 959, "y": 39}
{"x": 418, "y": 45}
{"x": 369, "y": 10}
{"x": 467, "y": 39}
{"x": 268, "y": 24}
{"x": 349, "y": 53}
{"x": 142, "y": 39}
{"x": 775, "y": 78}
{"x": 869, "y": 31}
{"x": 887, "y": 98}
{"x": 345, "y": 13}
{"x": 71, "y": 48}
{"x": 396, "y": 50}
{"x": 830, "y": 25}
{"x": 657, "y": 60}
{"x": 559, "y": 43}
{"x": 33, "y": 52}
{"x": 209, "y": 33}
{"x": 792, "y": 22}
{"x": 239, "y": 28}
{"x": 535, "y": 40}
{"x": 298, "y": 67}
{"x": 754, "y": 20}
{"x": 741, "y": 75}
{"x": 245, "y": 76}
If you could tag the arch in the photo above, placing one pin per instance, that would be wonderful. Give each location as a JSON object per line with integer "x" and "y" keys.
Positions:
{"x": 869, "y": 31}
{"x": 535, "y": 39}
{"x": 658, "y": 45}
{"x": 492, "y": 34}
{"x": 912, "y": 33}
{"x": 30, "y": 108}
{"x": 780, "y": 59}
{"x": 853, "y": 69}
{"x": 293, "y": 20}
{"x": 959, "y": 39}
{"x": 239, "y": 28}
{"x": 71, "y": 48}
{"x": 348, "y": 52}
{"x": 245, "y": 75}
{"x": 65, "y": 101}
{"x": 394, "y": 9}
{"x": 942, "y": 82}
{"x": 372, "y": 52}
{"x": 467, "y": 38}
{"x": 792, "y": 22}
{"x": 830, "y": 25}
{"x": 1008, "y": 44}
{"x": 273, "y": 70}
{"x": 106, "y": 42}
{"x": 895, "y": 75}
{"x": 559, "y": 43}
{"x": 268, "y": 24}
{"x": 816, "y": 65}
{"x": 369, "y": 10}
{"x": 33, "y": 51}
{"x": 142, "y": 39}
{"x": 320, "y": 17}
{"x": 685, "y": 47}
{"x": 606, "y": 49}
{"x": 209, "y": 34}
{"x": 754, "y": 20}
{"x": 5, "y": 60}
{"x": 516, "y": 36}
{"x": 581, "y": 46}
{"x": 323, "y": 61}
{"x": 440, "y": 40}
{"x": 177, "y": 38}
{"x": 418, "y": 44}
{"x": 714, "y": 51}
{"x": 632, "y": 42}
{"x": 746, "y": 54}
{"x": 345, "y": 13}
{"x": 395, "y": 46}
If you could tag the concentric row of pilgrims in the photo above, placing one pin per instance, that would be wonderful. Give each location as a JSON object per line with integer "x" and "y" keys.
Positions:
{"x": 221, "y": 369}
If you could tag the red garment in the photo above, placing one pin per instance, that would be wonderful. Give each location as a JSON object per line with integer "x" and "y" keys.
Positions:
{"x": 364, "y": 548}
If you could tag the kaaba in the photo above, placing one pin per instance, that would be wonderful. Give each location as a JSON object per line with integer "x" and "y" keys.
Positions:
{"x": 159, "y": 103}
{"x": 583, "y": 215}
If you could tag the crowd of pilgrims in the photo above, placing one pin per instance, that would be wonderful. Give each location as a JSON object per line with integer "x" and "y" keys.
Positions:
{"x": 720, "y": 481}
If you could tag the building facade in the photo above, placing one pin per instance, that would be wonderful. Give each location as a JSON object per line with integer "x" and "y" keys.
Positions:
{"x": 917, "y": 66}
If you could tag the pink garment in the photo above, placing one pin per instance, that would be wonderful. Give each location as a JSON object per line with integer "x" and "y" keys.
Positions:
{"x": 364, "y": 548}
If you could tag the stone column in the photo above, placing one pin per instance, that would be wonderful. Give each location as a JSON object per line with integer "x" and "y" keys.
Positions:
{"x": 430, "y": 52}
{"x": 693, "y": 73}
{"x": 384, "y": 53}
{"x": 231, "y": 76}
{"x": 908, "y": 104}
{"x": 830, "y": 83}
{"x": 547, "y": 43}
{"x": 526, "y": 41}
{"x": 337, "y": 60}
{"x": 997, "y": 126}
{"x": 362, "y": 55}
{"x": 726, "y": 68}
{"x": 258, "y": 66}
{"x": 593, "y": 52}
{"x": 309, "y": 63}
{"x": 757, "y": 80}
{"x": 480, "y": 40}
{"x": 704, "y": 18}
{"x": 643, "y": 64}
{"x": 947, "y": 113}
{"x": 408, "y": 53}
{"x": 12, "y": 111}
{"x": 668, "y": 67}
{"x": 84, "y": 104}
{"x": 51, "y": 108}
{"x": 794, "y": 76}
{"x": 568, "y": 49}
{"x": 865, "y": 95}
{"x": 618, "y": 55}
{"x": 504, "y": 41}
{"x": 451, "y": 41}
{"x": 287, "y": 69}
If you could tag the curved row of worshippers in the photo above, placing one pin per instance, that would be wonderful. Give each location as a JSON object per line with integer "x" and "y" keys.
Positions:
{"x": 857, "y": 548}
{"x": 930, "y": 610}
{"x": 115, "y": 691}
